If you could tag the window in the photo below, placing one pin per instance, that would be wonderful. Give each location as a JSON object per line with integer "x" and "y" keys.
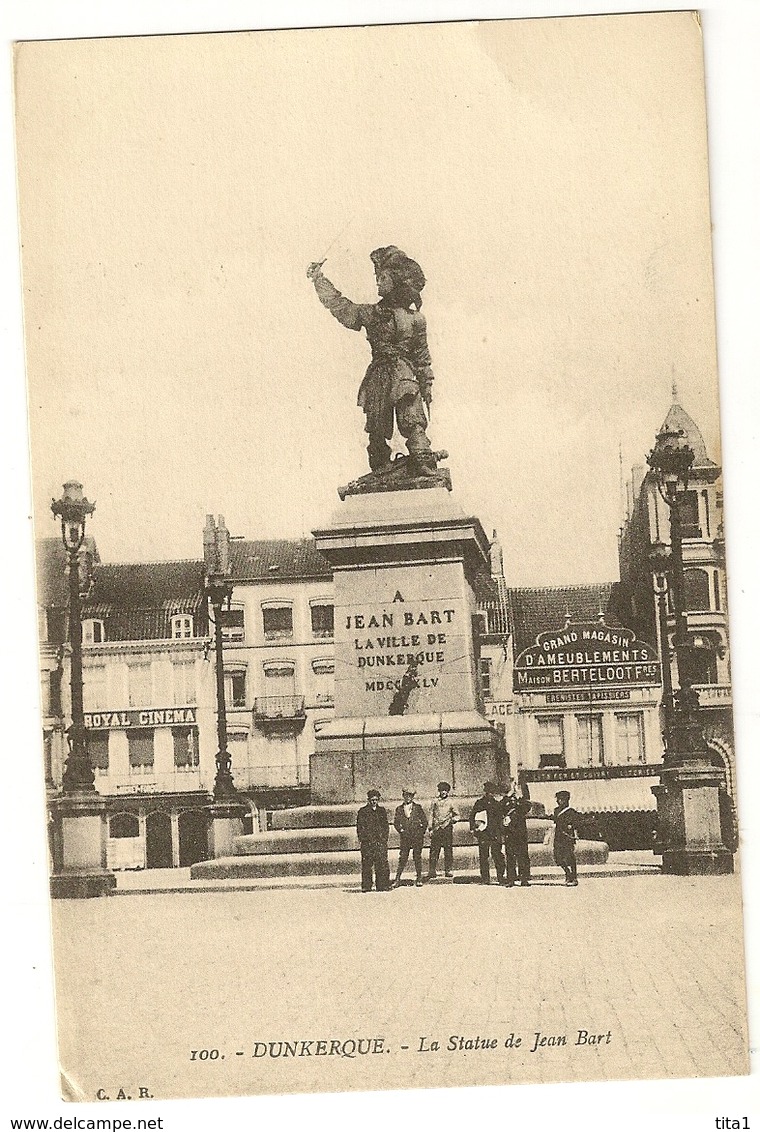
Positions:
{"x": 590, "y": 740}
{"x": 51, "y": 693}
{"x": 551, "y": 741}
{"x": 233, "y": 623}
{"x": 716, "y": 588}
{"x": 182, "y": 627}
{"x": 234, "y": 688}
{"x": 56, "y": 626}
{"x": 237, "y": 745}
{"x": 97, "y": 746}
{"x": 696, "y": 590}
{"x": 324, "y": 682}
{"x": 278, "y": 622}
{"x": 630, "y": 737}
{"x": 322, "y": 620}
{"x": 140, "y": 740}
{"x": 93, "y": 632}
{"x": 183, "y": 678}
{"x": 688, "y": 509}
{"x": 124, "y": 825}
{"x": 140, "y": 691}
{"x": 94, "y": 687}
{"x": 280, "y": 678}
{"x": 485, "y": 677}
{"x": 185, "y": 748}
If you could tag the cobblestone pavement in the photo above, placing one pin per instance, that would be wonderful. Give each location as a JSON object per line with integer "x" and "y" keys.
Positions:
{"x": 650, "y": 966}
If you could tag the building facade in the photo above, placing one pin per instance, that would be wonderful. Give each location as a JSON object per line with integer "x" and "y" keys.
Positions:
{"x": 647, "y": 527}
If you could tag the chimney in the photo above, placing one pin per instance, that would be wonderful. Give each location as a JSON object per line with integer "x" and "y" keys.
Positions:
{"x": 496, "y": 556}
{"x": 209, "y": 544}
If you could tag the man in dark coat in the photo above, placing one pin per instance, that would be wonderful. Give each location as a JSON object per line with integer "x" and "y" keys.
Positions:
{"x": 565, "y": 837}
{"x": 516, "y": 809}
{"x": 411, "y": 822}
{"x": 486, "y": 824}
{"x": 372, "y": 831}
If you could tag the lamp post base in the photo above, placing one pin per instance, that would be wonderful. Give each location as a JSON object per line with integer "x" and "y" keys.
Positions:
{"x": 689, "y": 819}
{"x": 697, "y": 862}
{"x": 226, "y": 827}
{"x": 81, "y": 886}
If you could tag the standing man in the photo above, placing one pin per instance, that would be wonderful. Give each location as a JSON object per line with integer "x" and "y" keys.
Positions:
{"x": 443, "y": 818}
{"x": 516, "y": 810}
{"x": 372, "y": 831}
{"x": 565, "y": 837}
{"x": 411, "y": 822}
{"x": 486, "y": 824}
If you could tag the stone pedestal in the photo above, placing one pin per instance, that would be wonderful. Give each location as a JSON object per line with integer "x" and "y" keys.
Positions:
{"x": 408, "y": 706}
{"x": 226, "y": 826}
{"x": 81, "y": 839}
{"x": 688, "y": 808}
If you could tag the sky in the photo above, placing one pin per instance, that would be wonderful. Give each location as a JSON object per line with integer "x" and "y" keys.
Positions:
{"x": 549, "y": 176}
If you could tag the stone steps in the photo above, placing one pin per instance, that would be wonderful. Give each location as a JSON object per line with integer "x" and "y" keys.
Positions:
{"x": 331, "y": 815}
{"x": 343, "y": 838}
{"x": 340, "y": 863}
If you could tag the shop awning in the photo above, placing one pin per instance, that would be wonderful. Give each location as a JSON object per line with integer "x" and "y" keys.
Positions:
{"x": 599, "y": 795}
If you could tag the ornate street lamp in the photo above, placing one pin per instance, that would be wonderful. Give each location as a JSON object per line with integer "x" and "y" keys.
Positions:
{"x": 219, "y": 593}
{"x": 79, "y": 814}
{"x": 688, "y": 800}
{"x": 227, "y": 808}
{"x": 72, "y": 509}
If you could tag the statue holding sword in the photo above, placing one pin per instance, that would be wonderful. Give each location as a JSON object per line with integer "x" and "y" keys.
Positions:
{"x": 398, "y": 383}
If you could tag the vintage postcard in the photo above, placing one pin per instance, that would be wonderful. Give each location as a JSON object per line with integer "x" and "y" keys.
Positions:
{"x": 372, "y": 376}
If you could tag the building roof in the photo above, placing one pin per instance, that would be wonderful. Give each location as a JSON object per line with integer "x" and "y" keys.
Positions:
{"x": 137, "y": 600}
{"x": 544, "y": 608}
{"x": 272, "y": 559}
{"x": 679, "y": 420}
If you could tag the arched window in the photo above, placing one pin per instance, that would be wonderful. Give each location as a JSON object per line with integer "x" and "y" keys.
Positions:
{"x": 696, "y": 590}
{"x": 277, "y": 618}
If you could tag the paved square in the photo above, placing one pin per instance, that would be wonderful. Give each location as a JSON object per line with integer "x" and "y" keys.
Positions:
{"x": 649, "y": 966}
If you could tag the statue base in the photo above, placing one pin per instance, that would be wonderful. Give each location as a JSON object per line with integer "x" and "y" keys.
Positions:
{"x": 399, "y": 475}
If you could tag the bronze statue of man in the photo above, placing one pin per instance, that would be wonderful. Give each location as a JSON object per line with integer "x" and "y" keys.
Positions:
{"x": 399, "y": 379}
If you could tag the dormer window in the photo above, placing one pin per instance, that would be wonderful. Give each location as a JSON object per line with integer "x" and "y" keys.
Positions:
{"x": 182, "y": 627}
{"x": 93, "y": 632}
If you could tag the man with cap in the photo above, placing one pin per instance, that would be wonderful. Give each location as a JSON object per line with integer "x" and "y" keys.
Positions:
{"x": 399, "y": 380}
{"x": 372, "y": 831}
{"x": 411, "y": 822}
{"x": 486, "y": 824}
{"x": 443, "y": 818}
{"x": 565, "y": 837}
{"x": 516, "y": 808}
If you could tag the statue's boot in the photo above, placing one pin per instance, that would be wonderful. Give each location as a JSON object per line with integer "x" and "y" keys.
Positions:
{"x": 423, "y": 464}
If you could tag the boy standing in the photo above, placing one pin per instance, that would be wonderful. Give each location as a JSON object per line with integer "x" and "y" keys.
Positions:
{"x": 443, "y": 818}
{"x": 565, "y": 837}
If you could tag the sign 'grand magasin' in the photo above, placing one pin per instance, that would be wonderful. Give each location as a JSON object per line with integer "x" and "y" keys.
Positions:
{"x": 586, "y": 656}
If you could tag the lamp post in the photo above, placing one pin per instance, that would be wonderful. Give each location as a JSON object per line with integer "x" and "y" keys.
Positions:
{"x": 688, "y": 797}
{"x": 72, "y": 509}
{"x": 227, "y": 808}
{"x": 219, "y": 592}
{"x": 79, "y": 814}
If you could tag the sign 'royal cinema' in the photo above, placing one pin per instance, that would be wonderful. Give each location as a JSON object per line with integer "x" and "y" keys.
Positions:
{"x": 586, "y": 655}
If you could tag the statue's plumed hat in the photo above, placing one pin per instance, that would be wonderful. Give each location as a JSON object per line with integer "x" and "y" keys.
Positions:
{"x": 398, "y": 263}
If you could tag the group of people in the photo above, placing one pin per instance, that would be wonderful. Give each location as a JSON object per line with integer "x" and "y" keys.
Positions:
{"x": 499, "y": 823}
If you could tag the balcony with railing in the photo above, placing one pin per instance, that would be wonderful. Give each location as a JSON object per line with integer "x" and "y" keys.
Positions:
{"x": 279, "y": 713}
{"x": 713, "y": 695}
